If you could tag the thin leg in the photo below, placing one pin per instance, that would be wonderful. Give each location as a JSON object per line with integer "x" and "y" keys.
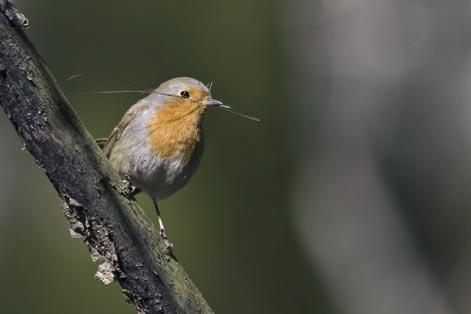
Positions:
{"x": 159, "y": 217}
{"x": 162, "y": 233}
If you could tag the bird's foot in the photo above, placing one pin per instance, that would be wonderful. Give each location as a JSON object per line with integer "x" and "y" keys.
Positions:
{"x": 162, "y": 234}
{"x": 129, "y": 190}
{"x": 168, "y": 244}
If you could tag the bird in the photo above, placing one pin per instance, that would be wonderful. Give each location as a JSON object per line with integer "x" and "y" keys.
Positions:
{"x": 157, "y": 146}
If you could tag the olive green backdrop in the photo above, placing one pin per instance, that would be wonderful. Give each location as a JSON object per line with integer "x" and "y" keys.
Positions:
{"x": 232, "y": 225}
{"x": 352, "y": 196}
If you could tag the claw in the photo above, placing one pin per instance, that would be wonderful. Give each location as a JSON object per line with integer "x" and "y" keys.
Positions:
{"x": 129, "y": 190}
{"x": 163, "y": 235}
{"x": 168, "y": 246}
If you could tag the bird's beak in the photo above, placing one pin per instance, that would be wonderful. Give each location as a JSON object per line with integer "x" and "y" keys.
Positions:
{"x": 213, "y": 102}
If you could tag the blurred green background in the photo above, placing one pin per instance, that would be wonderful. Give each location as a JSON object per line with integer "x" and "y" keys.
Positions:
{"x": 231, "y": 226}
{"x": 245, "y": 228}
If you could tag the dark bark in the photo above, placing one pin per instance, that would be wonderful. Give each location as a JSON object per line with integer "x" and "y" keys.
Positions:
{"x": 115, "y": 229}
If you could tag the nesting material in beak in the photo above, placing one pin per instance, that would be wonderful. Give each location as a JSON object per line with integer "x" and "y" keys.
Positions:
{"x": 220, "y": 104}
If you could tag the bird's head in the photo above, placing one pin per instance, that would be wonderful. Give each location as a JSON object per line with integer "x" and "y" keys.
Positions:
{"x": 183, "y": 93}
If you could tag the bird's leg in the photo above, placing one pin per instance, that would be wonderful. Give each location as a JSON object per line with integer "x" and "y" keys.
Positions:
{"x": 163, "y": 235}
{"x": 129, "y": 190}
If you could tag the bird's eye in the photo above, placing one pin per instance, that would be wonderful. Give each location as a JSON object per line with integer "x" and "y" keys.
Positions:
{"x": 185, "y": 94}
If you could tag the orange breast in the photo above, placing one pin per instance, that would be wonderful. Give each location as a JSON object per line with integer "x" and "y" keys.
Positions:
{"x": 175, "y": 128}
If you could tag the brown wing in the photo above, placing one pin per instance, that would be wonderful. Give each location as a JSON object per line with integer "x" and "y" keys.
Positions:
{"x": 115, "y": 135}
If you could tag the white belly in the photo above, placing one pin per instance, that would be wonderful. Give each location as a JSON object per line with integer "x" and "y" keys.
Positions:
{"x": 158, "y": 177}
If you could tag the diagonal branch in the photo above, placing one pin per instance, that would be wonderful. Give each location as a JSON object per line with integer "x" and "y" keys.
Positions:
{"x": 115, "y": 229}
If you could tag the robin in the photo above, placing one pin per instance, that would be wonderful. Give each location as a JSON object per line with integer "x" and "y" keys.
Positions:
{"x": 157, "y": 145}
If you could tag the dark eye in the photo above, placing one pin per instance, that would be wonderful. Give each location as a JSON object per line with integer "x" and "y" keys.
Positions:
{"x": 185, "y": 94}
